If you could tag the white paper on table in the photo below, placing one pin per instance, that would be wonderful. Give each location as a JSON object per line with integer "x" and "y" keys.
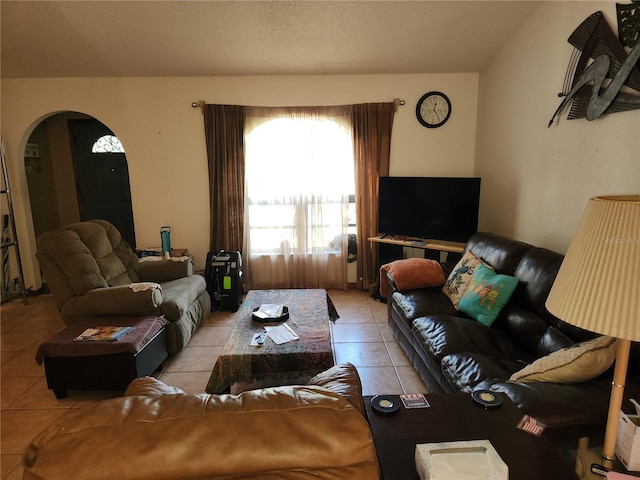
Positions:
{"x": 281, "y": 334}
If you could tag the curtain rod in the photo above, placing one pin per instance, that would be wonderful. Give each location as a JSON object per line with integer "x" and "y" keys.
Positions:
{"x": 200, "y": 103}
{"x": 397, "y": 102}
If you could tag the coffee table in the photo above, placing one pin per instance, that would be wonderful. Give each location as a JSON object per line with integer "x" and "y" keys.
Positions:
{"x": 454, "y": 417}
{"x": 310, "y": 311}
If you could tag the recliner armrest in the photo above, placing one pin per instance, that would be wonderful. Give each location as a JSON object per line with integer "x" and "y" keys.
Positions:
{"x": 161, "y": 271}
{"x": 113, "y": 301}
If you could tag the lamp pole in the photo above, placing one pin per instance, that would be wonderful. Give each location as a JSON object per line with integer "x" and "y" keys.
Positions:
{"x": 615, "y": 402}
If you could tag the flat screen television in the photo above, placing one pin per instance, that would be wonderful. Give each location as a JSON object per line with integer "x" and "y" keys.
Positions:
{"x": 437, "y": 208}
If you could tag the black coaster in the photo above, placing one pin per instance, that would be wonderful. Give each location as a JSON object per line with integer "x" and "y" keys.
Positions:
{"x": 385, "y": 404}
{"x": 486, "y": 399}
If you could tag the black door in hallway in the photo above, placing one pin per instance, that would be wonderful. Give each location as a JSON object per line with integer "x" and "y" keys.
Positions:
{"x": 102, "y": 178}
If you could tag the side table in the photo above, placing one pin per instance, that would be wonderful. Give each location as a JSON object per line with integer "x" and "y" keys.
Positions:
{"x": 454, "y": 417}
{"x": 156, "y": 252}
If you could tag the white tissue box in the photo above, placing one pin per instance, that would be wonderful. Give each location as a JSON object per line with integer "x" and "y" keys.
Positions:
{"x": 628, "y": 441}
{"x": 467, "y": 460}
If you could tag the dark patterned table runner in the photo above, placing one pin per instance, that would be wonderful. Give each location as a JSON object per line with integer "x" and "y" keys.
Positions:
{"x": 309, "y": 313}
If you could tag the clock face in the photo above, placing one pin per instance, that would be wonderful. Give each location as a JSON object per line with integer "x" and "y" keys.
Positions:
{"x": 433, "y": 109}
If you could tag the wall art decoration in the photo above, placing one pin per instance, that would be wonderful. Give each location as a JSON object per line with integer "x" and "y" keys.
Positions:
{"x": 603, "y": 75}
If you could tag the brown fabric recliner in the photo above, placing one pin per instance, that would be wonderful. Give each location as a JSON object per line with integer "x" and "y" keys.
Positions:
{"x": 92, "y": 272}
{"x": 155, "y": 432}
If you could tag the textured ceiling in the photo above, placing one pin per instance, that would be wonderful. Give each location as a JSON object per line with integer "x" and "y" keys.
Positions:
{"x": 209, "y": 38}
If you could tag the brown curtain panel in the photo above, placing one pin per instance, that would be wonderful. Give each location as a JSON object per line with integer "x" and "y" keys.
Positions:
{"x": 372, "y": 125}
{"x": 224, "y": 134}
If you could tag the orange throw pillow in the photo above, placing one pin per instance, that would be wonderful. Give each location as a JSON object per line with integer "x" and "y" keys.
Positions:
{"x": 412, "y": 273}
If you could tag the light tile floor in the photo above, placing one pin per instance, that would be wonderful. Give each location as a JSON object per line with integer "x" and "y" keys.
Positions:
{"x": 360, "y": 336}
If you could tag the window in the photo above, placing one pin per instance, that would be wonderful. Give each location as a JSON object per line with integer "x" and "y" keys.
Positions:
{"x": 107, "y": 144}
{"x": 229, "y": 129}
{"x": 299, "y": 175}
{"x": 300, "y": 198}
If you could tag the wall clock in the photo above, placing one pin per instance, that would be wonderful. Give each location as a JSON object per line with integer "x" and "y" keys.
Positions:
{"x": 433, "y": 109}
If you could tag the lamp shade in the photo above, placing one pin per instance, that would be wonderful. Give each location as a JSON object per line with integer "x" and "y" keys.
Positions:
{"x": 598, "y": 284}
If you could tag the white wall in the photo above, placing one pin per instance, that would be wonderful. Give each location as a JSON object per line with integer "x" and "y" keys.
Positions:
{"x": 537, "y": 180}
{"x": 164, "y": 139}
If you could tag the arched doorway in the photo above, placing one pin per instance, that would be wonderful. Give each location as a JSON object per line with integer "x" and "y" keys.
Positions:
{"x": 71, "y": 180}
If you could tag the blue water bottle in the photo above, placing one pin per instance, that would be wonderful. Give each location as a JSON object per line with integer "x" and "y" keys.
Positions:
{"x": 165, "y": 238}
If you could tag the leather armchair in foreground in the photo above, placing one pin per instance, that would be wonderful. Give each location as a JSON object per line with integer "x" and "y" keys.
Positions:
{"x": 156, "y": 432}
{"x": 92, "y": 272}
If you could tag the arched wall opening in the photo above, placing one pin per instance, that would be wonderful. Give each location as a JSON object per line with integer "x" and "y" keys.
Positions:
{"x": 53, "y": 153}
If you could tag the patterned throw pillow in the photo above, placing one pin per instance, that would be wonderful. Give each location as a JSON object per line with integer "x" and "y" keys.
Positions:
{"x": 460, "y": 277}
{"x": 487, "y": 293}
{"x": 580, "y": 362}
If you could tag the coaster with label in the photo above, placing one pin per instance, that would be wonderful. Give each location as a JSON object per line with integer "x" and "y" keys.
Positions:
{"x": 414, "y": 400}
{"x": 531, "y": 425}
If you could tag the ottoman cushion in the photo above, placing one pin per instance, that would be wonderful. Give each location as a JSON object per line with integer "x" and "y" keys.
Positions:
{"x": 62, "y": 344}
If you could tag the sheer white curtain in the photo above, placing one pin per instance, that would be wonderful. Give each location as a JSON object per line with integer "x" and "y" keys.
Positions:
{"x": 298, "y": 182}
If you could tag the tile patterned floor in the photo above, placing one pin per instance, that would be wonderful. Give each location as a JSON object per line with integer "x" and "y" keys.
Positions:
{"x": 361, "y": 336}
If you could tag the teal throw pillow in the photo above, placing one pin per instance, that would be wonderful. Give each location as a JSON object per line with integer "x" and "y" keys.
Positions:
{"x": 488, "y": 292}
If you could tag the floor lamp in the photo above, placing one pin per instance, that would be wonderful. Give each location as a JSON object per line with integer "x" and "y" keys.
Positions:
{"x": 598, "y": 288}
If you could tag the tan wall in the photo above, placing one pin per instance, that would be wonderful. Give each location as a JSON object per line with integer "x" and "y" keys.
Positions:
{"x": 51, "y": 180}
{"x": 164, "y": 139}
{"x": 64, "y": 169}
{"x": 537, "y": 180}
{"x": 42, "y": 190}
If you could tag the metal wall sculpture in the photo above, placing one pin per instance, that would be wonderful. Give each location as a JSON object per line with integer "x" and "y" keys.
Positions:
{"x": 611, "y": 82}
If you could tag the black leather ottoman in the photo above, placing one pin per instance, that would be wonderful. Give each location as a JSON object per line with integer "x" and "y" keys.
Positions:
{"x": 103, "y": 365}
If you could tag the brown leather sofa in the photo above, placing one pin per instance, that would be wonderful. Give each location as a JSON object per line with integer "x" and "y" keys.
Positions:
{"x": 452, "y": 352}
{"x": 157, "y": 432}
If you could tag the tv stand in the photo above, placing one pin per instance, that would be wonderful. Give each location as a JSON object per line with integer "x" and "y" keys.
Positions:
{"x": 423, "y": 243}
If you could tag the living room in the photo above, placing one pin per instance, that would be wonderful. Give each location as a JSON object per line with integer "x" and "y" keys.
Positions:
{"x": 536, "y": 179}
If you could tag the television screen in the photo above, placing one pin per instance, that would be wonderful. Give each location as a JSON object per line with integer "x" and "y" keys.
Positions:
{"x": 436, "y": 208}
